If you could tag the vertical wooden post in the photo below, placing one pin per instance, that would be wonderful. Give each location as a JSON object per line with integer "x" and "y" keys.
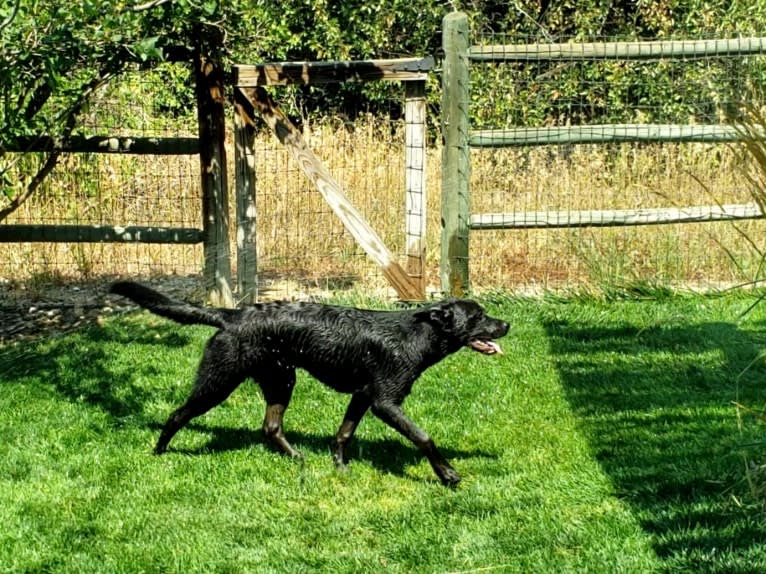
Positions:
{"x": 455, "y": 156}
{"x": 415, "y": 181}
{"x": 215, "y": 210}
{"x": 244, "y": 162}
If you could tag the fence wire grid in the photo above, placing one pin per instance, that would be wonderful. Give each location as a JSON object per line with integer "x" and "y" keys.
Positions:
{"x": 115, "y": 189}
{"x": 549, "y": 173}
{"x": 303, "y": 249}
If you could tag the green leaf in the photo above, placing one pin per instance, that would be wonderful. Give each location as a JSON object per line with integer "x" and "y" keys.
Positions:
{"x": 210, "y": 7}
{"x": 147, "y": 49}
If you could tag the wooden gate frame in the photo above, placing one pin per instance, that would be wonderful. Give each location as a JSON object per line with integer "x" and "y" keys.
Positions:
{"x": 250, "y": 96}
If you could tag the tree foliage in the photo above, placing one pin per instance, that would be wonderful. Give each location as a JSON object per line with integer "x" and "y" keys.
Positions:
{"x": 55, "y": 54}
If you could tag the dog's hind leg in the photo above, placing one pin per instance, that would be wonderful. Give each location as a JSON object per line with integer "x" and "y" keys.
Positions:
{"x": 393, "y": 416}
{"x": 197, "y": 404}
{"x": 359, "y": 404}
{"x": 277, "y": 390}
{"x": 216, "y": 380}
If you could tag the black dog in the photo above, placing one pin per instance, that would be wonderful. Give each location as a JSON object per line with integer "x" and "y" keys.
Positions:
{"x": 374, "y": 355}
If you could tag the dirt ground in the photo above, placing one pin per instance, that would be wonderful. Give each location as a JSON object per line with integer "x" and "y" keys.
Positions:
{"x": 28, "y": 311}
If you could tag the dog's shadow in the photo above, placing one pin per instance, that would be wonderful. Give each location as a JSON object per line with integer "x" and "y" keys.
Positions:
{"x": 387, "y": 454}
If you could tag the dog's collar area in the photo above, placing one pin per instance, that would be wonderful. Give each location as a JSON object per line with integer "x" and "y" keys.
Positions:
{"x": 485, "y": 346}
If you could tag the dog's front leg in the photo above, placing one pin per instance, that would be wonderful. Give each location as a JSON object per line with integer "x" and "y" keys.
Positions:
{"x": 277, "y": 390}
{"x": 359, "y": 404}
{"x": 393, "y": 416}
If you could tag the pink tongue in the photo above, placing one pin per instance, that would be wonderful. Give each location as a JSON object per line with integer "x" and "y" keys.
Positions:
{"x": 486, "y": 347}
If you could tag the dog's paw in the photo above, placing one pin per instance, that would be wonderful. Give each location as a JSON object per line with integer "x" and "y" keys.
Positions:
{"x": 340, "y": 464}
{"x": 449, "y": 477}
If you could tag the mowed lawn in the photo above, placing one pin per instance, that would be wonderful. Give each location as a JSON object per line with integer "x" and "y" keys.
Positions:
{"x": 606, "y": 439}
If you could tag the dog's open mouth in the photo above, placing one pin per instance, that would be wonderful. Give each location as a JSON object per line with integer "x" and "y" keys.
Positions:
{"x": 486, "y": 346}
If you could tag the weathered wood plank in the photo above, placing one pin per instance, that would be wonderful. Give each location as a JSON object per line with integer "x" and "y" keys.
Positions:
{"x": 647, "y": 50}
{"x": 107, "y": 144}
{"x": 606, "y": 133}
{"x": 453, "y": 267}
{"x": 244, "y": 165}
{"x": 98, "y": 234}
{"x": 415, "y": 181}
{"x": 281, "y": 73}
{"x": 612, "y": 218}
{"x": 209, "y": 84}
{"x": 332, "y": 192}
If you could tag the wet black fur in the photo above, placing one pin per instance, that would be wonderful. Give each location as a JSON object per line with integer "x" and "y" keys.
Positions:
{"x": 376, "y": 356}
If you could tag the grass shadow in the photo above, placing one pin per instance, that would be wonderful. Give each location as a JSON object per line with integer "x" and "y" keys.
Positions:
{"x": 390, "y": 455}
{"x": 80, "y": 367}
{"x": 657, "y": 407}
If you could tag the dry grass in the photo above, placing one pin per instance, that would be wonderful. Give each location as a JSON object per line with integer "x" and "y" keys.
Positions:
{"x": 603, "y": 178}
{"x": 300, "y": 240}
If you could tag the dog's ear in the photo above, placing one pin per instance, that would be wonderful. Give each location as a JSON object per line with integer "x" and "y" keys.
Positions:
{"x": 442, "y": 314}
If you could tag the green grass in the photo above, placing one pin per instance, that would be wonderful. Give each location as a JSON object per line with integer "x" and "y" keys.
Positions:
{"x": 605, "y": 440}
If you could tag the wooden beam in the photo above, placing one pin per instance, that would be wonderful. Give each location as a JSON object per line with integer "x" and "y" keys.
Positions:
{"x": 209, "y": 85}
{"x": 332, "y": 192}
{"x": 282, "y": 73}
{"x": 649, "y": 50}
{"x": 107, "y": 144}
{"x": 606, "y": 133}
{"x": 97, "y": 234}
{"x": 612, "y": 218}
{"x": 453, "y": 266}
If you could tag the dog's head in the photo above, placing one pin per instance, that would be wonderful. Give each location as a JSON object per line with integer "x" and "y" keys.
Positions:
{"x": 463, "y": 323}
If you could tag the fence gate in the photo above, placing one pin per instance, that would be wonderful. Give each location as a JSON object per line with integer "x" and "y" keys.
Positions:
{"x": 250, "y": 96}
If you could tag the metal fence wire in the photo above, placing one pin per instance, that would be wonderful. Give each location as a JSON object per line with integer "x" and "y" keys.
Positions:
{"x": 303, "y": 248}
{"x": 117, "y": 189}
{"x": 600, "y": 133}
{"x": 546, "y": 177}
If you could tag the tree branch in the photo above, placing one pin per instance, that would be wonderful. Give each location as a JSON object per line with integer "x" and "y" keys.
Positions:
{"x": 12, "y": 16}
{"x": 149, "y": 5}
{"x": 70, "y": 121}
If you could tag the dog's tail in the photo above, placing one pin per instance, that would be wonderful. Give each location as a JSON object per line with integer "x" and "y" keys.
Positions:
{"x": 179, "y": 311}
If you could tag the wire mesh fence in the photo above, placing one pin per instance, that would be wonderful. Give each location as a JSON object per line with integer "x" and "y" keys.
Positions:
{"x": 303, "y": 249}
{"x": 302, "y": 246}
{"x": 115, "y": 188}
{"x": 652, "y": 106}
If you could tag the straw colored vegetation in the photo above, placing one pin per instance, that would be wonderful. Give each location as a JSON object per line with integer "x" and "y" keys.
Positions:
{"x": 303, "y": 247}
{"x": 590, "y": 177}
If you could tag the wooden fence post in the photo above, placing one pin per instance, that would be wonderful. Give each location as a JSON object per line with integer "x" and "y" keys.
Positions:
{"x": 455, "y": 214}
{"x": 415, "y": 181}
{"x": 209, "y": 79}
{"x": 244, "y": 162}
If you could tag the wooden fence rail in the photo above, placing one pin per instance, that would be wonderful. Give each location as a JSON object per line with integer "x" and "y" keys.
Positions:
{"x": 108, "y": 144}
{"x": 607, "y": 133}
{"x": 647, "y": 50}
{"x": 98, "y": 234}
{"x": 615, "y": 217}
